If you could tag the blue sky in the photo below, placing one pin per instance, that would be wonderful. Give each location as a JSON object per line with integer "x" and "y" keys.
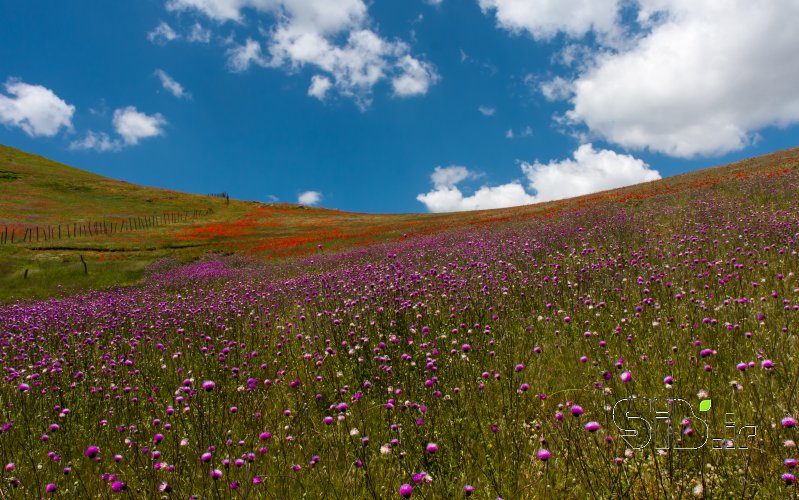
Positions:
{"x": 398, "y": 106}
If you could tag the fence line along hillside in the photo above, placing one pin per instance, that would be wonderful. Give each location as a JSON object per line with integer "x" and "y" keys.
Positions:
{"x": 25, "y": 233}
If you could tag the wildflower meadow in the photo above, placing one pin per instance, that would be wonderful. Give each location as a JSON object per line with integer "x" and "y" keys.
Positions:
{"x": 481, "y": 362}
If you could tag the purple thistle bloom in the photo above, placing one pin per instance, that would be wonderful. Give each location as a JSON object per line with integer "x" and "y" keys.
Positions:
{"x": 50, "y": 488}
{"x": 576, "y": 410}
{"x": 216, "y": 474}
{"x": 406, "y": 490}
{"x": 468, "y": 490}
{"x": 206, "y": 457}
{"x": 208, "y": 385}
{"x": 92, "y": 451}
{"x": 431, "y": 448}
{"x": 626, "y": 376}
{"x": 543, "y": 454}
{"x": 118, "y": 486}
{"x": 592, "y": 426}
{"x": 788, "y": 478}
{"x": 789, "y": 422}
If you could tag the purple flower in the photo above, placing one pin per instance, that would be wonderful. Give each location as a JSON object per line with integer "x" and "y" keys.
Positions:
{"x": 208, "y": 385}
{"x": 406, "y": 490}
{"x": 788, "y": 478}
{"x": 592, "y": 426}
{"x": 519, "y": 367}
{"x": 767, "y": 364}
{"x": 789, "y": 422}
{"x": 206, "y": 457}
{"x": 92, "y": 452}
{"x": 668, "y": 380}
{"x": 626, "y": 376}
{"x": 50, "y": 488}
{"x": 543, "y": 454}
{"x": 118, "y": 486}
{"x": 468, "y": 490}
{"x": 216, "y": 474}
{"x": 431, "y": 448}
{"x": 576, "y": 410}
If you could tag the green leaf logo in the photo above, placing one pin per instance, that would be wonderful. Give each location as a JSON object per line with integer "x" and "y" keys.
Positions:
{"x": 705, "y": 405}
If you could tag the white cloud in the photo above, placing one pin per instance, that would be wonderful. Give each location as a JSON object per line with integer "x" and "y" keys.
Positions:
{"x": 98, "y": 141}
{"x": 319, "y": 87}
{"x": 525, "y": 132}
{"x": 679, "y": 77}
{"x": 415, "y": 77}
{"x": 171, "y": 85}
{"x": 241, "y": 57}
{"x": 557, "y": 89}
{"x": 309, "y": 198}
{"x": 543, "y": 19}
{"x": 453, "y": 200}
{"x": 133, "y": 125}
{"x": 34, "y": 109}
{"x": 588, "y": 171}
{"x": 448, "y": 177}
{"x": 435, "y": 3}
{"x": 219, "y": 10}
{"x": 199, "y": 34}
{"x": 702, "y": 82}
{"x": 334, "y": 38}
{"x": 487, "y": 110}
{"x": 162, "y": 34}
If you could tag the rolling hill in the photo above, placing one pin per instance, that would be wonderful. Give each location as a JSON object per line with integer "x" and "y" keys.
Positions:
{"x": 60, "y": 216}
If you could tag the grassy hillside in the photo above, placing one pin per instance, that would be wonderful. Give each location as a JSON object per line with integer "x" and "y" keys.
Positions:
{"x": 58, "y": 199}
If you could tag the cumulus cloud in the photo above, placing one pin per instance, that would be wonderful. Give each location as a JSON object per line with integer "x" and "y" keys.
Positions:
{"x": 133, "y": 125}
{"x": 319, "y": 87}
{"x": 588, "y": 171}
{"x": 415, "y": 77}
{"x": 335, "y": 38}
{"x": 171, "y": 85}
{"x": 35, "y": 109}
{"x": 162, "y": 34}
{"x": 453, "y": 200}
{"x": 241, "y": 57}
{"x": 702, "y": 82}
{"x": 487, "y": 110}
{"x": 678, "y": 77}
{"x": 309, "y": 198}
{"x": 98, "y": 141}
{"x": 543, "y": 19}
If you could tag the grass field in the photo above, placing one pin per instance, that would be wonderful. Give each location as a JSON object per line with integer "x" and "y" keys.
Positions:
{"x": 37, "y": 192}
